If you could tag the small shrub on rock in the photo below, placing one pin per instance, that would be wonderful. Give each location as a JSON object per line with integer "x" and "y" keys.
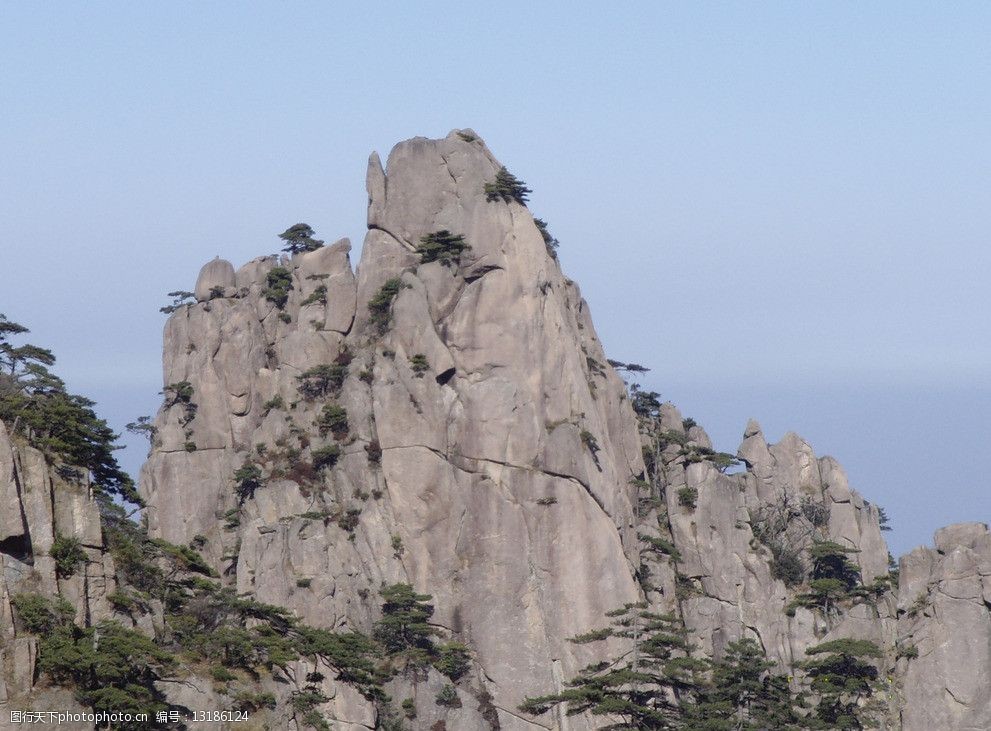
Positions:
{"x": 419, "y": 365}
{"x": 68, "y": 554}
{"x": 326, "y": 456}
{"x": 333, "y": 418}
{"x": 452, "y": 660}
{"x": 380, "y": 306}
{"x": 687, "y": 497}
{"x": 322, "y": 380}
{"x": 448, "y": 697}
{"x": 374, "y": 451}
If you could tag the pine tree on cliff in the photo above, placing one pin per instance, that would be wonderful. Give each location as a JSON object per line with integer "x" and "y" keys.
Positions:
{"x": 843, "y": 677}
{"x": 299, "y": 238}
{"x": 744, "y": 694}
{"x": 34, "y": 403}
{"x": 660, "y": 686}
{"x": 645, "y": 692}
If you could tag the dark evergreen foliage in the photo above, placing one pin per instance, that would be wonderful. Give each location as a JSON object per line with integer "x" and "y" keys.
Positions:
{"x": 404, "y": 629}
{"x": 299, "y": 238}
{"x": 35, "y": 404}
{"x": 549, "y": 241}
{"x": 507, "y": 187}
{"x": 322, "y": 380}
{"x": 419, "y": 365}
{"x": 380, "y": 306}
{"x": 744, "y": 693}
{"x": 333, "y": 418}
{"x": 278, "y": 283}
{"x": 247, "y": 479}
{"x": 326, "y": 456}
{"x": 68, "y": 554}
{"x": 846, "y": 680}
{"x": 442, "y": 246}
{"x": 641, "y": 688}
{"x": 180, "y": 298}
{"x": 452, "y": 660}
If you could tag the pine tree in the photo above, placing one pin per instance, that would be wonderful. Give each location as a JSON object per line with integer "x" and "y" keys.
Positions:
{"x": 404, "y": 629}
{"x": 846, "y": 682}
{"x": 442, "y": 246}
{"x": 835, "y": 579}
{"x": 299, "y": 238}
{"x": 645, "y": 692}
{"x": 744, "y": 694}
{"x": 507, "y": 187}
{"x": 34, "y": 403}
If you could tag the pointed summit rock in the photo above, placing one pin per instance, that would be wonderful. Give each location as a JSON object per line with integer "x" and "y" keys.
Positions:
{"x": 445, "y": 417}
{"x": 480, "y": 414}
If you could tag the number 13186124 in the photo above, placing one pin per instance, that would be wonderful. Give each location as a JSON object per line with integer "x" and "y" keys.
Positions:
{"x": 217, "y": 716}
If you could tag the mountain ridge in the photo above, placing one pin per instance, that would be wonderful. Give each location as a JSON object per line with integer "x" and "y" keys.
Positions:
{"x": 454, "y": 424}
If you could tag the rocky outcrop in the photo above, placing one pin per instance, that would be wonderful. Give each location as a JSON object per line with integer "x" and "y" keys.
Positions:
{"x": 39, "y": 502}
{"x": 455, "y": 425}
{"x": 728, "y": 584}
{"x": 944, "y": 631}
{"x": 478, "y": 467}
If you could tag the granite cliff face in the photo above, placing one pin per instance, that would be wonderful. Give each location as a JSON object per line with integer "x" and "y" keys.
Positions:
{"x": 454, "y": 424}
{"x": 39, "y": 503}
{"x": 505, "y": 468}
{"x": 450, "y": 463}
{"x": 944, "y": 602}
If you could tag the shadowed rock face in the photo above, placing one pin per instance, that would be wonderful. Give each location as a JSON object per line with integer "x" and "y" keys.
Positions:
{"x": 495, "y": 477}
{"x": 36, "y": 505}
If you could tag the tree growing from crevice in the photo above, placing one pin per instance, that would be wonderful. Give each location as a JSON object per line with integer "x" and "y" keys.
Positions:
{"x": 507, "y": 187}
{"x": 278, "y": 283}
{"x": 333, "y": 418}
{"x": 247, "y": 479}
{"x": 322, "y": 380}
{"x": 787, "y": 527}
{"x": 142, "y": 426}
{"x": 380, "y": 306}
{"x": 549, "y": 241}
{"x": 745, "y": 693}
{"x": 180, "y": 298}
{"x": 657, "y": 684}
{"x": 643, "y": 689}
{"x": 68, "y": 555}
{"x": 404, "y": 629}
{"x": 442, "y": 246}
{"x": 834, "y": 580}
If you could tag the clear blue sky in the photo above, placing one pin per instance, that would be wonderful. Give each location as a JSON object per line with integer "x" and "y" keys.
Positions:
{"x": 782, "y": 207}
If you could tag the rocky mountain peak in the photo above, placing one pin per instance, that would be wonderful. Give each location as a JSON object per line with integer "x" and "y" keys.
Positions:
{"x": 478, "y": 424}
{"x": 443, "y": 419}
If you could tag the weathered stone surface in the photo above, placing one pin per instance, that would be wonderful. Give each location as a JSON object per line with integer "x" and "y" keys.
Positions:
{"x": 488, "y": 459}
{"x": 514, "y": 376}
{"x": 944, "y": 602}
{"x": 11, "y": 516}
{"x": 216, "y": 276}
{"x": 37, "y": 506}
